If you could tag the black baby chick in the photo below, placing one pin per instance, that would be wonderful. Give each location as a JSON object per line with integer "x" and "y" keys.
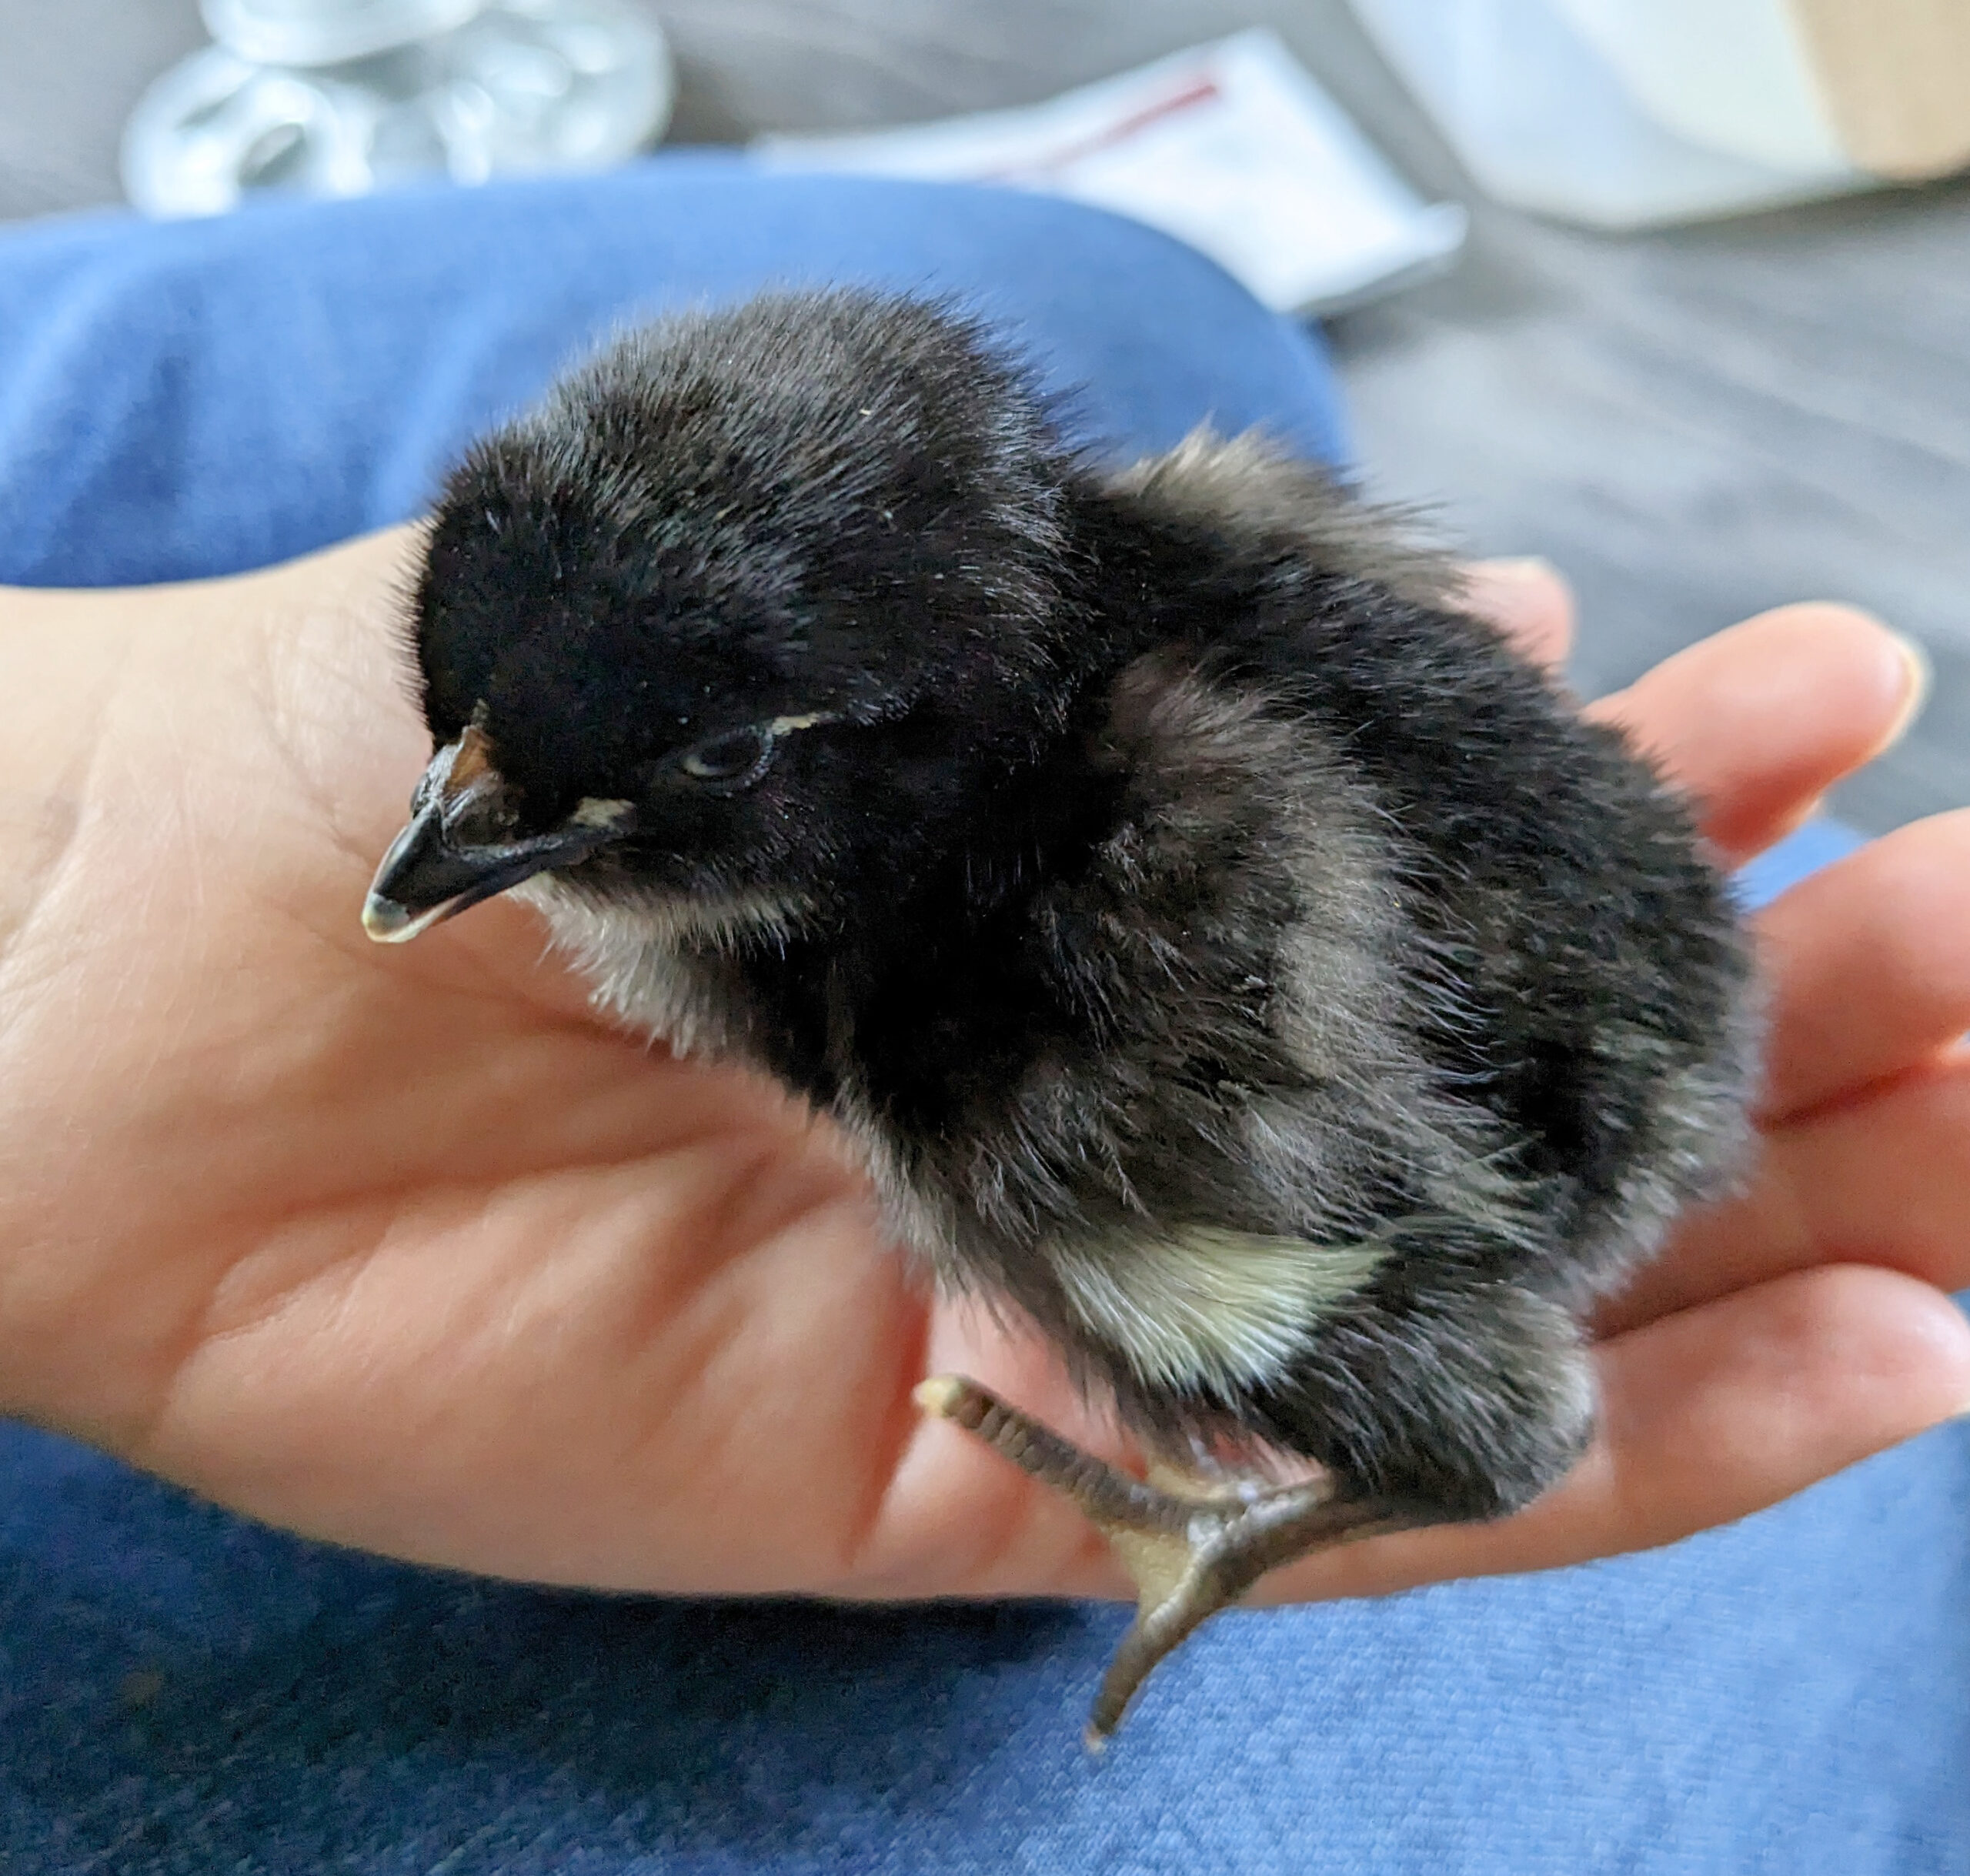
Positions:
{"x": 1224, "y": 951}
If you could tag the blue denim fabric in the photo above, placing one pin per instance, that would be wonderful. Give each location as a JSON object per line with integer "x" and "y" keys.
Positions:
{"x": 183, "y": 1691}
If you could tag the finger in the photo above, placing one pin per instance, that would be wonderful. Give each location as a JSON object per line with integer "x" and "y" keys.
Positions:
{"x": 1869, "y": 965}
{"x": 1707, "y": 1417}
{"x": 1528, "y": 601}
{"x": 1758, "y": 721}
{"x": 1884, "y": 1180}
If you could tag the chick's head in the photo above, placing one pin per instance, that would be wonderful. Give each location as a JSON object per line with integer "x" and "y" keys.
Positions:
{"x": 734, "y": 610}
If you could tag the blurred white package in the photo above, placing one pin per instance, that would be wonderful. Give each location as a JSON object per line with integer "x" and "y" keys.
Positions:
{"x": 1231, "y": 147}
{"x": 1624, "y": 113}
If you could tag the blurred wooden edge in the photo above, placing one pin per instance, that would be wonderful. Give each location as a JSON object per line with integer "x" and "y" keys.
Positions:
{"x": 1894, "y": 76}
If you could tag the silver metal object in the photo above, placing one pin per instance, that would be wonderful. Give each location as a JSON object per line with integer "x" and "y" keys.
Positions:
{"x": 342, "y": 97}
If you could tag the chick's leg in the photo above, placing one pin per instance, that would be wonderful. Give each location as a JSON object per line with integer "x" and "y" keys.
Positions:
{"x": 1455, "y": 1398}
{"x": 1191, "y": 1549}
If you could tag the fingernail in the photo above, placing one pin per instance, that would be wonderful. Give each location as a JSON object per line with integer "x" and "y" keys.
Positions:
{"x": 1920, "y": 674}
{"x": 1523, "y": 570}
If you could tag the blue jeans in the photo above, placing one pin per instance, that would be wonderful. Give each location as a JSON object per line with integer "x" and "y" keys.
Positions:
{"x": 181, "y": 1690}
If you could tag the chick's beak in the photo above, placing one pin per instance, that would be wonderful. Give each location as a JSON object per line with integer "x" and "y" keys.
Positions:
{"x": 454, "y": 851}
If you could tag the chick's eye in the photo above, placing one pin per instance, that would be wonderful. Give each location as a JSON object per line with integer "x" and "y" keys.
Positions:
{"x": 733, "y": 761}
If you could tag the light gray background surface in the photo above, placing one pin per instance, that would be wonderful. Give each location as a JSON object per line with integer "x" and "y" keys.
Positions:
{"x": 1693, "y": 425}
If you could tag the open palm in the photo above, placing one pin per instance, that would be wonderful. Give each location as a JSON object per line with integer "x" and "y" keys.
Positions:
{"x": 402, "y": 1248}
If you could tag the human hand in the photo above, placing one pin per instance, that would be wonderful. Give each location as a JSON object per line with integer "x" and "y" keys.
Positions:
{"x": 403, "y": 1249}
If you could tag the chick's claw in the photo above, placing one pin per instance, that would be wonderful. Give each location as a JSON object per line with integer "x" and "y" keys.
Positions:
{"x": 1190, "y": 1550}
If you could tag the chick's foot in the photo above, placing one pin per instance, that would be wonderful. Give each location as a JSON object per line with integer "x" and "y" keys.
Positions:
{"x": 1191, "y": 1546}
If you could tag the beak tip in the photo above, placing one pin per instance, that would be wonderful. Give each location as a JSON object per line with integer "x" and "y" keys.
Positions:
{"x": 386, "y": 922}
